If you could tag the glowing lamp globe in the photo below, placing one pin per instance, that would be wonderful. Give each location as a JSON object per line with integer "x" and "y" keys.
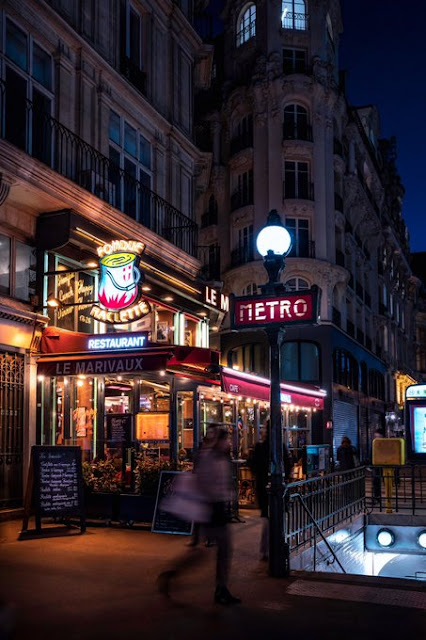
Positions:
{"x": 275, "y": 238}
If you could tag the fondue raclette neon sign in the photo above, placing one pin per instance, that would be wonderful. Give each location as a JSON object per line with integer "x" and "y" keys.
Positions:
{"x": 120, "y": 277}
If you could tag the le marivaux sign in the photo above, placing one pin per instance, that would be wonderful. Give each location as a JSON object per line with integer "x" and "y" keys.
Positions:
{"x": 85, "y": 366}
{"x": 266, "y": 311}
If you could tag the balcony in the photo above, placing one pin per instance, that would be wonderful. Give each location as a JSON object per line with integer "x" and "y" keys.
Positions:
{"x": 303, "y": 249}
{"x": 47, "y": 140}
{"x": 133, "y": 74}
{"x": 294, "y": 131}
{"x": 299, "y": 192}
{"x": 241, "y": 199}
{"x": 244, "y": 141}
{"x": 242, "y": 255}
{"x": 210, "y": 256}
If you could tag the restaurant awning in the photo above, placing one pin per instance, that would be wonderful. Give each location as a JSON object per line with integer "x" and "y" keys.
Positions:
{"x": 245, "y": 384}
{"x": 65, "y": 353}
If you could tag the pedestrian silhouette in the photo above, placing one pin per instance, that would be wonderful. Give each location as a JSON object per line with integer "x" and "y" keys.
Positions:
{"x": 214, "y": 485}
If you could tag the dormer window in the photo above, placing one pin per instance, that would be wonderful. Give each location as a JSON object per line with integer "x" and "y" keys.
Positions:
{"x": 294, "y": 15}
{"x": 246, "y": 24}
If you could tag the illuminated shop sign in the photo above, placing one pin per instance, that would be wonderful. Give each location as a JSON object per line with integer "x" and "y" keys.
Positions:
{"x": 258, "y": 311}
{"x": 117, "y": 342}
{"x": 120, "y": 277}
{"x": 216, "y": 299}
{"x": 416, "y": 391}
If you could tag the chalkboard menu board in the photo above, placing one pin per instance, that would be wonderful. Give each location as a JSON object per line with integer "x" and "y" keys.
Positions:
{"x": 119, "y": 427}
{"x": 164, "y": 522}
{"x": 55, "y": 484}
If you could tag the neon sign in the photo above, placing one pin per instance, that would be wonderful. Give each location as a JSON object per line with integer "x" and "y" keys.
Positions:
{"x": 120, "y": 342}
{"x": 119, "y": 283}
{"x": 258, "y": 311}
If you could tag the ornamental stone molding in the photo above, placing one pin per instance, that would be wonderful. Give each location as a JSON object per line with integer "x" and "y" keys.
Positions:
{"x": 243, "y": 216}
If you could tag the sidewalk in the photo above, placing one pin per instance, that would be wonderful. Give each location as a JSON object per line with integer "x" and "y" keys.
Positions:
{"x": 101, "y": 585}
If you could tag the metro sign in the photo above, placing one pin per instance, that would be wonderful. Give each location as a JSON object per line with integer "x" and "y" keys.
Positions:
{"x": 266, "y": 311}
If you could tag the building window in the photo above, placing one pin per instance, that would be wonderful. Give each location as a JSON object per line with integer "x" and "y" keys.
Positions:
{"x": 248, "y": 358}
{"x": 243, "y": 134}
{"x": 294, "y": 15}
{"x": 345, "y": 369}
{"x": 250, "y": 289}
{"x": 28, "y": 100}
{"x": 130, "y": 174}
{"x": 243, "y": 194}
{"x": 296, "y": 180}
{"x": 297, "y": 284}
{"x": 299, "y": 231}
{"x": 294, "y": 61}
{"x": 296, "y": 125}
{"x": 17, "y": 269}
{"x": 246, "y": 24}
{"x": 376, "y": 384}
{"x": 131, "y": 45}
{"x": 300, "y": 362}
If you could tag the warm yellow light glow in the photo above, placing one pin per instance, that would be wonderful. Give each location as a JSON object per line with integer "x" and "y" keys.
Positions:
{"x": 53, "y": 303}
{"x": 80, "y": 383}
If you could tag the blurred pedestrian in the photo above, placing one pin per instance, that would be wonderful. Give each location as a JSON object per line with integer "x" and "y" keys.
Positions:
{"x": 214, "y": 482}
{"x": 259, "y": 465}
{"x": 346, "y": 455}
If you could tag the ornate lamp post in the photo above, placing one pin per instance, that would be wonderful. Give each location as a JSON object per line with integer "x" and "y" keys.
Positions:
{"x": 274, "y": 243}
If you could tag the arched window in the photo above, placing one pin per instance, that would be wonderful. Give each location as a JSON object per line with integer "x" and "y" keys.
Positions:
{"x": 296, "y": 125}
{"x": 248, "y": 358}
{"x": 300, "y": 362}
{"x": 293, "y": 15}
{"x": 345, "y": 369}
{"x": 297, "y": 284}
{"x": 246, "y": 24}
{"x": 250, "y": 289}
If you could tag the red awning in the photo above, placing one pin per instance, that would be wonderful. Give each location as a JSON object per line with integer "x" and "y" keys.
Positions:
{"x": 244, "y": 384}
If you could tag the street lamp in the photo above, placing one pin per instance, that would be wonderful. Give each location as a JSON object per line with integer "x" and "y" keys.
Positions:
{"x": 274, "y": 243}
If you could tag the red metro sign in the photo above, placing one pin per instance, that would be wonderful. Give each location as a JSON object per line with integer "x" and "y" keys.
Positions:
{"x": 262, "y": 311}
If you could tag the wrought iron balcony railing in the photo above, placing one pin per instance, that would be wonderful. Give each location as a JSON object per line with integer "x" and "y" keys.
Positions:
{"x": 209, "y": 255}
{"x": 302, "y": 249}
{"x": 242, "y": 255}
{"x": 50, "y": 142}
{"x": 241, "y": 199}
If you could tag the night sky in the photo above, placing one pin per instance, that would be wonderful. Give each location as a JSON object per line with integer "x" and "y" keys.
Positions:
{"x": 383, "y": 50}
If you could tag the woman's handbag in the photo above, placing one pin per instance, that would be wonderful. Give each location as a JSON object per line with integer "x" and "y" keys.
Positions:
{"x": 186, "y": 501}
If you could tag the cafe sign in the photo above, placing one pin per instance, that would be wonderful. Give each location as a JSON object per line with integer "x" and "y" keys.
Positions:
{"x": 267, "y": 311}
{"x": 120, "y": 277}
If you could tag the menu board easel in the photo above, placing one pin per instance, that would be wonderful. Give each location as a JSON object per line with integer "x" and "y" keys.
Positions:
{"x": 164, "y": 522}
{"x": 54, "y": 485}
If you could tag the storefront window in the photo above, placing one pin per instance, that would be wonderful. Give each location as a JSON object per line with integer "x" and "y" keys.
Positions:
{"x": 152, "y": 418}
{"x": 297, "y": 431}
{"x": 185, "y": 423}
{"x": 69, "y": 413}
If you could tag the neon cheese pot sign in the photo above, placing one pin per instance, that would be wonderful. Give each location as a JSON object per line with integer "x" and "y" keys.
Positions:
{"x": 259, "y": 311}
{"x": 119, "y": 291}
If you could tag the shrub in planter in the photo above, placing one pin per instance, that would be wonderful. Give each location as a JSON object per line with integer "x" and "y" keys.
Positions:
{"x": 102, "y": 486}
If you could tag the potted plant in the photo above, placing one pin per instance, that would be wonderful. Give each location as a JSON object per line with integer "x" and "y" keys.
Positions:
{"x": 139, "y": 506}
{"x": 102, "y": 486}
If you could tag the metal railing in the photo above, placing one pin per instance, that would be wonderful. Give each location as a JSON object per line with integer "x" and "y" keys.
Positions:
{"x": 294, "y": 131}
{"x": 327, "y": 501}
{"x": 406, "y": 485}
{"x": 50, "y": 142}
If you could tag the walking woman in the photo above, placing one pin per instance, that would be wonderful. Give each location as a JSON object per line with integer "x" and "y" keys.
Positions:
{"x": 214, "y": 481}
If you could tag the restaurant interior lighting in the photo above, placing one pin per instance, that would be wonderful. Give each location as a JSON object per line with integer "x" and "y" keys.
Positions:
{"x": 53, "y": 302}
